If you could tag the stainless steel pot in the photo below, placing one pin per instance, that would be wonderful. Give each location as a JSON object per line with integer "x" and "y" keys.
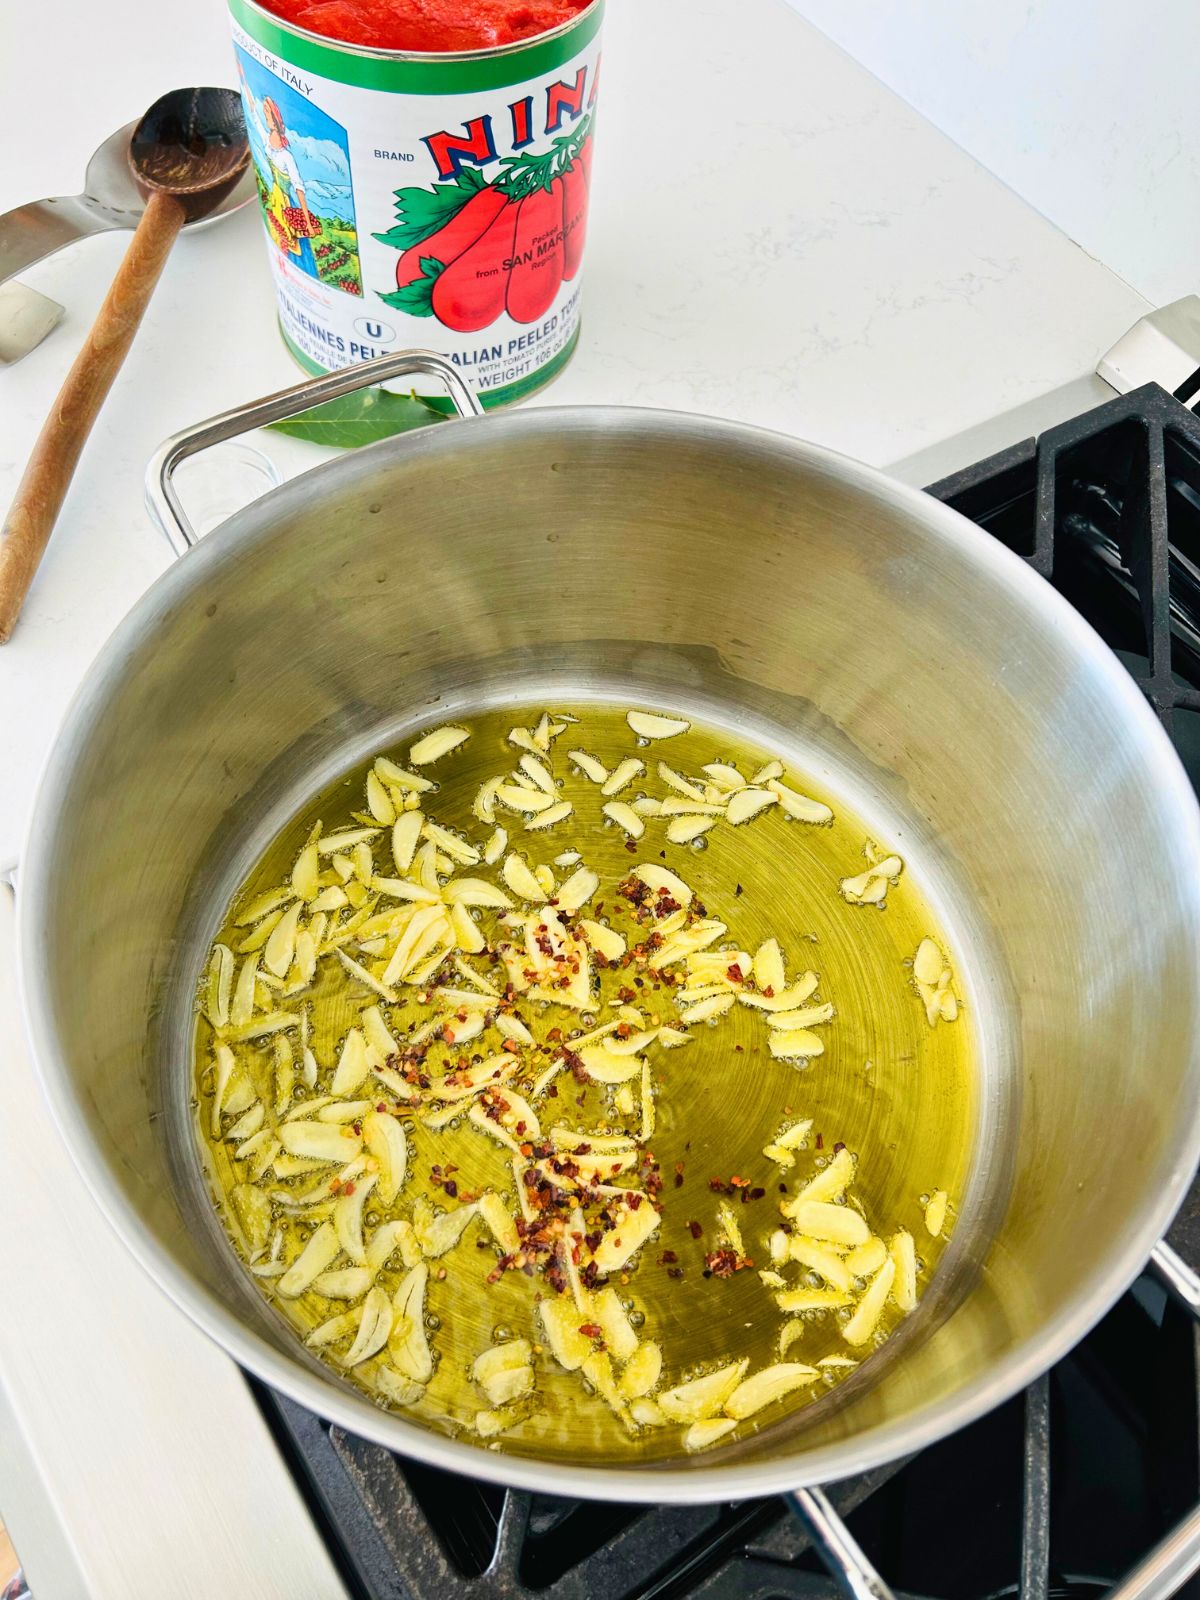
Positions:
{"x": 704, "y": 565}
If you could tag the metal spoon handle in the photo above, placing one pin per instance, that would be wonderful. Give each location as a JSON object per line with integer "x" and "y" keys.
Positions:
{"x": 32, "y": 232}
{"x": 40, "y": 494}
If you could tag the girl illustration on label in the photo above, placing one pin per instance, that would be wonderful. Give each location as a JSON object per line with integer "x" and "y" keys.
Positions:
{"x": 292, "y": 224}
{"x": 303, "y": 170}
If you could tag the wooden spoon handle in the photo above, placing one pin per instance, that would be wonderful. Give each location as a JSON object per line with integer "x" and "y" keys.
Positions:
{"x": 40, "y": 494}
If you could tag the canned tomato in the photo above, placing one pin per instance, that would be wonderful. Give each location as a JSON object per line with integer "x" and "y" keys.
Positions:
{"x": 433, "y": 196}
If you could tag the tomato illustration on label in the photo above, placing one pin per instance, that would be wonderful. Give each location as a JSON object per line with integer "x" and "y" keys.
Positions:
{"x": 471, "y": 250}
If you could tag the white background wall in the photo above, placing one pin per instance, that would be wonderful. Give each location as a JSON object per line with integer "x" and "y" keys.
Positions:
{"x": 1087, "y": 108}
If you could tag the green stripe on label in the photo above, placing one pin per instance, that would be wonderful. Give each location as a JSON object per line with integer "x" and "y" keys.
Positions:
{"x": 396, "y": 74}
{"x": 345, "y": 425}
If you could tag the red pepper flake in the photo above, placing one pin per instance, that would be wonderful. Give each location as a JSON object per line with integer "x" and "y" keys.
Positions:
{"x": 631, "y": 846}
{"x": 511, "y": 1046}
{"x": 839, "y": 1146}
{"x": 724, "y": 1263}
{"x": 679, "y": 1174}
{"x": 695, "y": 1230}
{"x": 382, "y": 1106}
{"x": 739, "y": 1183}
{"x": 450, "y": 1188}
{"x": 590, "y": 1330}
{"x": 734, "y": 973}
{"x": 768, "y": 991}
{"x": 820, "y": 1142}
{"x": 674, "y": 1272}
{"x": 348, "y": 1188}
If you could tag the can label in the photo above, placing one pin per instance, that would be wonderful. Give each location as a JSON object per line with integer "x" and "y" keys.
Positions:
{"x": 431, "y": 202}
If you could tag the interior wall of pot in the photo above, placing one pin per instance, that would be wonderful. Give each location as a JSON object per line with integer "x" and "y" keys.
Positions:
{"x": 594, "y": 547}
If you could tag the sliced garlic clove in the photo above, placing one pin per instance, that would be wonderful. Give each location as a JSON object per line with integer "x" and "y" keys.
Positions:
{"x": 725, "y": 777}
{"x": 606, "y": 941}
{"x": 935, "y": 1213}
{"x": 395, "y": 1388}
{"x": 319, "y": 1253}
{"x": 765, "y": 1388}
{"x": 903, "y": 1256}
{"x": 715, "y": 1006}
{"x": 701, "y": 1397}
{"x": 589, "y": 766}
{"x": 343, "y": 1283}
{"x": 622, "y": 775}
{"x": 682, "y": 830}
{"x": 832, "y": 1224}
{"x": 632, "y": 1228}
{"x": 306, "y": 873}
{"x": 373, "y": 1329}
{"x": 597, "y": 1369}
{"x": 353, "y": 1066}
{"x": 408, "y": 1345}
{"x": 560, "y": 1322}
{"x": 651, "y": 725}
{"x": 539, "y": 773}
{"x": 798, "y": 805}
{"x": 577, "y": 890}
{"x": 747, "y": 803}
{"x": 822, "y": 1259}
{"x": 806, "y": 1299}
{"x": 680, "y": 784}
{"x": 334, "y": 843}
{"x": 643, "y": 1368}
{"x": 550, "y": 816}
{"x": 400, "y": 777}
{"x": 803, "y": 1017}
{"x": 379, "y": 803}
{"x": 319, "y": 1141}
{"x": 928, "y": 962}
{"x": 385, "y": 1139}
{"x": 830, "y": 1183}
{"x": 867, "y": 1258}
{"x": 517, "y": 875}
{"x": 870, "y": 1308}
{"x": 495, "y": 847}
{"x": 619, "y": 1335}
{"x": 489, "y": 1424}
{"x": 789, "y": 1333}
{"x": 647, "y": 1413}
{"x": 796, "y": 1044}
{"x": 333, "y": 1329}
{"x": 625, "y": 818}
{"x": 433, "y": 746}
{"x": 500, "y": 1222}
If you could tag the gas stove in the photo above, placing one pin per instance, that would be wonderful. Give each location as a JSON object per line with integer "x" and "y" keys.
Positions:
{"x": 1067, "y": 1490}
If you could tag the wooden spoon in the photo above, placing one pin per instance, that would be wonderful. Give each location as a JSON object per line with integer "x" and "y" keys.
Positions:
{"x": 186, "y": 152}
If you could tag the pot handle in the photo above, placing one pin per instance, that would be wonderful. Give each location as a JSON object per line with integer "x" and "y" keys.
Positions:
{"x": 843, "y": 1556}
{"x": 1160, "y": 1574}
{"x": 161, "y": 497}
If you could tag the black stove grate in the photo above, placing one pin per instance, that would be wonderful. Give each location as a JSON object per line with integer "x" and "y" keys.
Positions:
{"x": 1057, "y": 1493}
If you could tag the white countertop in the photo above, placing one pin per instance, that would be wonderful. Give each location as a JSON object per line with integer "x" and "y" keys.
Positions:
{"x": 776, "y": 239}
